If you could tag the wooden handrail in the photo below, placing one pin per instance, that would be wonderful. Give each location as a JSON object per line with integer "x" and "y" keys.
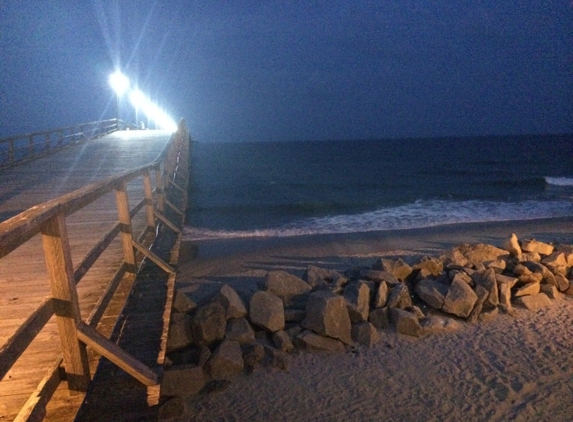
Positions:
{"x": 20, "y": 148}
{"x": 49, "y": 219}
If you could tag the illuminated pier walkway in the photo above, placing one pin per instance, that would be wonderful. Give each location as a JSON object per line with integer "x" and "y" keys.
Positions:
{"x": 104, "y": 204}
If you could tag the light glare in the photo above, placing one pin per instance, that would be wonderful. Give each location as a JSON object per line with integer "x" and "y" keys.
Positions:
{"x": 119, "y": 82}
{"x": 151, "y": 110}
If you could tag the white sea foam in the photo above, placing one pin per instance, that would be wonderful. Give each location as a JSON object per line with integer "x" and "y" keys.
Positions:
{"x": 559, "y": 181}
{"x": 419, "y": 214}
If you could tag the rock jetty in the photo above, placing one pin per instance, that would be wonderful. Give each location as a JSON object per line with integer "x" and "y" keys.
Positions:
{"x": 331, "y": 311}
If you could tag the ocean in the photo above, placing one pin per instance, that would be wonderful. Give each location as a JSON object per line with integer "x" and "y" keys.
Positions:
{"x": 276, "y": 189}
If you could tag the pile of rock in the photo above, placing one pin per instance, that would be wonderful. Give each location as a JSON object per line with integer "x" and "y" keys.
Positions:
{"x": 329, "y": 310}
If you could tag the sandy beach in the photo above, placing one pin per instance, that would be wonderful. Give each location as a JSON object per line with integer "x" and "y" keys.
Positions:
{"x": 513, "y": 368}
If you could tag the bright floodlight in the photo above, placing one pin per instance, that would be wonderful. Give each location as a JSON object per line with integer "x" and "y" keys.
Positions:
{"x": 119, "y": 82}
{"x": 141, "y": 102}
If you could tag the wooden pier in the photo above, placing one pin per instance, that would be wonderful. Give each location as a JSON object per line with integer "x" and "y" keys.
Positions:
{"x": 88, "y": 235}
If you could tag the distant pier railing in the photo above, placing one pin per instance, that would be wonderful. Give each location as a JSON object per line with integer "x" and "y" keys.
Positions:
{"x": 17, "y": 149}
{"x": 158, "y": 178}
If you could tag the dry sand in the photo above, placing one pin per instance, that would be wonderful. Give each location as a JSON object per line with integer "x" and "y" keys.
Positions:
{"x": 514, "y": 368}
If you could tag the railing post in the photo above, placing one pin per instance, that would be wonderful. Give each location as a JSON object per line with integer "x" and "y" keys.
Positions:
{"x": 148, "y": 199}
{"x": 125, "y": 226}
{"x": 159, "y": 189}
{"x": 65, "y": 301}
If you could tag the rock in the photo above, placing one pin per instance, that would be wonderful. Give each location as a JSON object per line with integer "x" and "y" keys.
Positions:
{"x": 521, "y": 269}
{"x": 282, "y": 341}
{"x": 461, "y": 276}
{"x": 293, "y": 332}
{"x": 239, "y": 330}
{"x": 529, "y": 278}
{"x": 232, "y": 303}
{"x": 364, "y": 333}
{"x": 379, "y": 318}
{"x": 488, "y": 315}
{"x": 512, "y": 246}
{"x": 431, "y": 292}
{"x": 180, "y": 334}
{"x": 504, "y": 279}
{"x": 277, "y": 358}
{"x": 534, "y": 302}
{"x": 266, "y": 311}
{"x": 381, "y": 295}
{"x": 286, "y": 286}
{"x": 556, "y": 259}
{"x": 172, "y": 410}
{"x": 182, "y": 381}
{"x": 569, "y": 291}
{"x": 479, "y": 253}
{"x": 379, "y": 276}
{"x": 316, "y": 275}
{"x": 551, "y": 291}
{"x": 505, "y": 295}
{"x": 533, "y": 245}
{"x": 406, "y": 322}
{"x": 438, "y": 324}
{"x": 182, "y": 303}
{"x": 337, "y": 286}
{"x": 530, "y": 256}
{"x": 203, "y": 355}
{"x": 498, "y": 265}
{"x": 327, "y": 315}
{"x": 454, "y": 259}
{"x": 253, "y": 354}
{"x": 487, "y": 279}
{"x": 294, "y": 315}
{"x": 460, "y": 299}
{"x": 528, "y": 289}
{"x": 433, "y": 265}
{"x": 357, "y": 296}
{"x": 398, "y": 268}
{"x": 208, "y": 324}
{"x": 482, "y": 294}
{"x": 226, "y": 361}
{"x": 562, "y": 282}
{"x": 399, "y": 297}
{"x": 312, "y": 341}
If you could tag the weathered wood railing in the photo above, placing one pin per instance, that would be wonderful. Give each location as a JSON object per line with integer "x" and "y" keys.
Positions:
{"x": 49, "y": 220}
{"x": 21, "y": 148}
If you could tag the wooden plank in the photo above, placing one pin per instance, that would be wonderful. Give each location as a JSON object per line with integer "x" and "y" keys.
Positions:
{"x": 35, "y": 407}
{"x": 65, "y": 301}
{"x": 122, "y": 202}
{"x": 166, "y": 221}
{"x": 115, "y": 354}
{"x": 15, "y": 346}
{"x": 174, "y": 208}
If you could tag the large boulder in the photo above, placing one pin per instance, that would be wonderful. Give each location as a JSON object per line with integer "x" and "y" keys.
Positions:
{"x": 327, "y": 315}
{"x": 406, "y": 322}
{"x": 379, "y": 276}
{"x": 487, "y": 279}
{"x": 182, "y": 381}
{"x": 399, "y": 297}
{"x": 482, "y": 295}
{"x": 182, "y": 303}
{"x": 239, "y": 330}
{"x": 379, "y": 318}
{"x": 433, "y": 265}
{"x": 267, "y": 311}
{"x": 180, "y": 334}
{"x": 398, "y": 268}
{"x": 533, "y": 245}
{"x": 528, "y": 289}
{"x": 226, "y": 361}
{"x": 312, "y": 341}
{"x": 431, "y": 292}
{"x": 287, "y": 286}
{"x": 479, "y": 253}
{"x": 364, "y": 333}
{"x": 460, "y": 299}
{"x": 233, "y": 304}
{"x": 357, "y": 295}
{"x": 282, "y": 341}
{"x": 512, "y": 246}
{"x": 381, "y": 295}
{"x": 556, "y": 259}
{"x": 209, "y": 323}
{"x": 316, "y": 276}
{"x": 534, "y": 302}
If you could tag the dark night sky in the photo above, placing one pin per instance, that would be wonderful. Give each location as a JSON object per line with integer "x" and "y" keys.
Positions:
{"x": 294, "y": 70}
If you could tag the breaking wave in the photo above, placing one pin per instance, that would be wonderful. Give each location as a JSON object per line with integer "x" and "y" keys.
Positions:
{"x": 419, "y": 214}
{"x": 559, "y": 181}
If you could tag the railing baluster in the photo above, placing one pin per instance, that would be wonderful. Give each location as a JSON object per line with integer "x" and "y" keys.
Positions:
{"x": 65, "y": 301}
{"x": 125, "y": 226}
{"x": 148, "y": 199}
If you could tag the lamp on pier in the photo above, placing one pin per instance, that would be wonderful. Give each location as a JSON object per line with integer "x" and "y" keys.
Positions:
{"x": 120, "y": 84}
